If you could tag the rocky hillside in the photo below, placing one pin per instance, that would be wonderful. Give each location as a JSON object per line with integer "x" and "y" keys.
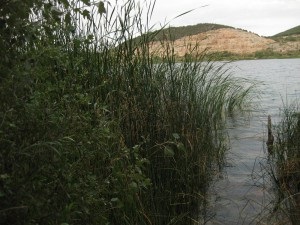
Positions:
{"x": 229, "y": 40}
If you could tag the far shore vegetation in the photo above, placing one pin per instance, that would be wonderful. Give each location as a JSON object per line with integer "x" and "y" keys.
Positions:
{"x": 228, "y": 56}
{"x": 290, "y": 32}
{"x": 265, "y": 54}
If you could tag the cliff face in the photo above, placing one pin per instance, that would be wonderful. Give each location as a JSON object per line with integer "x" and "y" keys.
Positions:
{"x": 226, "y": 40}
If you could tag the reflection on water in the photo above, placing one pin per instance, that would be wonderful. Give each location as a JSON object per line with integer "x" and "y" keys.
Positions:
{"x": 244, "y": 192}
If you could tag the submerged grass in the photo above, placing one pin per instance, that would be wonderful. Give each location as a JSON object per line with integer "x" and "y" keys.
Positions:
{"x": 93, "y": 131}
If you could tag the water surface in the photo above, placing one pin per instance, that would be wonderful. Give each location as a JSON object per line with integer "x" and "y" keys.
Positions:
{"x": 244, "y": 194}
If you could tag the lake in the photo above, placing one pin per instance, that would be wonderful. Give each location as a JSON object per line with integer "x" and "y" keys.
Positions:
{"x": 243, "y": 194}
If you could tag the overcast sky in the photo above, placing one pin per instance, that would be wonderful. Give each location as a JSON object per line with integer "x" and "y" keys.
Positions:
{"x": 264, "y": 17}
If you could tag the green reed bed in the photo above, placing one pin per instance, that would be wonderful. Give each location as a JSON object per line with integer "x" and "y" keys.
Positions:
{"x": 92, "y": 130}
{"x": 285, "y": 165}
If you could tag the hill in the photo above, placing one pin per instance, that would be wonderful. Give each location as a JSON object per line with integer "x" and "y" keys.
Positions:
{"x": 226, "y": 41}
{"x": 174, "y": 33}
{"x": 290, "y": 36}
{"x": 289, "y": 32}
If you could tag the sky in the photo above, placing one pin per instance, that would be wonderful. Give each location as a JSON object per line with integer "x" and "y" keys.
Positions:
{"x": 263, "y": 17}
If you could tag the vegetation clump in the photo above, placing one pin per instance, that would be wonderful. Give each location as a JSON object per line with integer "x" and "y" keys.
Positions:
{"x": 285, "y": 165}
{"x": 174, "y": 33}
{"x": 92, "y": 131}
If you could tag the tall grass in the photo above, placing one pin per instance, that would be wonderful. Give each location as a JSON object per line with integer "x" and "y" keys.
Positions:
{"x": 285, "y": 164}
{"x": 94, "y": 132}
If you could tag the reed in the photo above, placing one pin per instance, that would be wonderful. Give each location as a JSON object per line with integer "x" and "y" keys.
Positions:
{"x": 285, "y": 164}
{"x": 95, "y": 132}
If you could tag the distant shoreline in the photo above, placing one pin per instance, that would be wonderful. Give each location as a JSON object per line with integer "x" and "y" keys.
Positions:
{"x": 216, "y": 57}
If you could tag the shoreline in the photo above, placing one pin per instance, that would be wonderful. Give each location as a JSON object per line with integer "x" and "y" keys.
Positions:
{"x": 216, "y": 57}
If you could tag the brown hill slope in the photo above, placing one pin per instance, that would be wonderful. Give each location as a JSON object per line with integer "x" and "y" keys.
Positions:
{"x": 234, "y": 41}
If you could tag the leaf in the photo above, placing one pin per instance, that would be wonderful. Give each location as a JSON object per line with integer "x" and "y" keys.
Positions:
{"x": 176, "y": 136}
{"x": 133, "y": 185}
{"x": 146, "y": 182}
{"x": 90, "y": 37}
{"x": 168, "y": 152}
{"x": 4, "y": 176}
{"x": 65, "y": 2}
{"x": 117, "y": 202}
{"x": 181, "y": 147}
{"x": 186, "y": 12}
{"x": 87, "y": 2}
{"x": 12, "y": 125}
{"x": 114, "y": 199}
{"x": 86, "y": 14}
{"x": 101, "y": 8}
{"x": 56, "y": 10}
{"x": 69, "y": 139}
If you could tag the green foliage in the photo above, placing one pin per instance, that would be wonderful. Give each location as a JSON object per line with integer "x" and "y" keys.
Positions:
{"x": 62, "y": 157}
{"x": 270, "y": 54}
{"x": 91, "y": 130}
{"x": 289, "y": 32}
{"x": 174, "y": 33}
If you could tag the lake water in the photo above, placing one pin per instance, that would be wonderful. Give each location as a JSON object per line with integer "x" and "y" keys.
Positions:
{"x": 244, "y": 193}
